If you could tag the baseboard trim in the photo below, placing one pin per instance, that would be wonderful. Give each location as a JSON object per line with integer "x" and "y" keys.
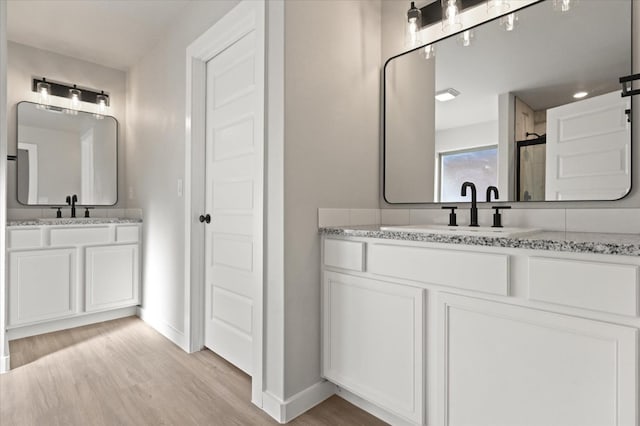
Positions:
{"x": 372, "y": 409}
{"x": 66, "y": 323}
{"x": 5, "y": 364}
{"x": 165, "y": 329}
{"x": 285, "y": 411}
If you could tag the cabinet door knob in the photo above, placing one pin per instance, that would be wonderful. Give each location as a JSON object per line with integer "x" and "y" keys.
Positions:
{"x": 204, "y": 218}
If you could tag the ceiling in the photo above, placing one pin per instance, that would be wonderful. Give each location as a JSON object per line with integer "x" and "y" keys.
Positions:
{"x": 544, "y": 61}
{"x": 112, "y": 33}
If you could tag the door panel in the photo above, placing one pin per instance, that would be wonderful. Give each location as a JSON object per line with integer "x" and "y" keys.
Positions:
{"x": 234, "y": 155}
{"x": 589, "y": 149}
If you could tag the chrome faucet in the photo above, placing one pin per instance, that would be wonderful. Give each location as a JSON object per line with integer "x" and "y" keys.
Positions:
{"x": 474, "y": 205}
{"x": 72, "y": 200}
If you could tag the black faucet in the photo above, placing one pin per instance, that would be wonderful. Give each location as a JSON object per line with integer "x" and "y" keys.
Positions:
{"x": 474, "y": 205}
{"x": 72, "y": 200}
{"x": 491, "y": 189}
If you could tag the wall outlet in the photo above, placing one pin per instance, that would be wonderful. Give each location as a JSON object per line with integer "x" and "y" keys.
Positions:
{"x": 131, "y": 192}
{"x": 180, "y": 188}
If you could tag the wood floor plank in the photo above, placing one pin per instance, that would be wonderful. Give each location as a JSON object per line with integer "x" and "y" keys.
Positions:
{"x": 123, "y": 372}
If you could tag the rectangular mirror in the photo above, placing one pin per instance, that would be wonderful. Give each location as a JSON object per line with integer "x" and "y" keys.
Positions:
{"x": 60, "y": 154}
{"x": 511, "y": 112}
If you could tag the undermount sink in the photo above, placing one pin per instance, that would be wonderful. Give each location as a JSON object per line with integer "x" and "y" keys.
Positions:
{"x": 477, "y": 231}
{"x": 70, "y": 219}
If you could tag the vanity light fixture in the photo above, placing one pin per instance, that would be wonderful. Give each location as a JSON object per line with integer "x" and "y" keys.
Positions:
{"x": 75, "y": 96}
{"x": 447, "y": 94}
{"x": 44, "y": 93}
{"x": 580, "y": 95}
{"x": 451, "y": 15}
{"x": 414, "y": 17}
{"x": 508, "y": 22}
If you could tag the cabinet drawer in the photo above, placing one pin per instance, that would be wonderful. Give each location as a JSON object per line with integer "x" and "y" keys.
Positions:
{"x": 607, "y": 287}
{"x": 469, "y": 270}
{"x": 127, "y": 234}
{"x": 24, "y": 238}
{"x": 344, "y": 254}
{"x": 84, "y": 235}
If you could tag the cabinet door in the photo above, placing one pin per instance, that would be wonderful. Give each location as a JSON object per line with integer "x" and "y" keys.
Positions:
{"x": 42, "y": 285}
{"x": 111, "y": 276}
{"x": 373, "y": 341}
{"x": 506, "y": 365}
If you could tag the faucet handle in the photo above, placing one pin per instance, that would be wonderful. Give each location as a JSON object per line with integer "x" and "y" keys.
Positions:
{"x": 58, "y": 213}
{"x": 452, "y": 215}
{"x": 497, "y": 217}
{"x": 86, "y": 211}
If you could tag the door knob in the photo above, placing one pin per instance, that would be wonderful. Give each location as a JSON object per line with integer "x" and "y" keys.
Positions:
{"x": 206, "y": 218}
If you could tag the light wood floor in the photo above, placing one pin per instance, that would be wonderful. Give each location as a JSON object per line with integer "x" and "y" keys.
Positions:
{"x": 123, "y": 372}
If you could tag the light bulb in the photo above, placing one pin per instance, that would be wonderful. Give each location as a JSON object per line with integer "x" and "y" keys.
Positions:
{"x": 563, "y": 5}
{"x": 509, "y": 21}
{"x": 498, "y": 6}
{"x": 44, "y": 94}
{"x": 74, "y": 100}
{"x": 413, "y": 25}
{"x": 429, "y": 51}
{"x": 451, "y": 15}
{"x": 101, "y": 100}
{"x": 465, "y": 38}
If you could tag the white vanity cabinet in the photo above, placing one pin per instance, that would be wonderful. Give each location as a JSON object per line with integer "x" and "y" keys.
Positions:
{"x": 373, "y": 334}
{"x": 69, "y": 271}
{"x": 490, "y": 336}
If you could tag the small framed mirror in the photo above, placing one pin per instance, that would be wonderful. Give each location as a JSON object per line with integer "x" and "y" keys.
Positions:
{"x": 60, "y": 154}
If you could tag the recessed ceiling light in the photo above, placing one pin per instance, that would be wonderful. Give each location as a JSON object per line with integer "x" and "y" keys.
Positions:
{"x": 446, "y": 94}
{"x": 580, "y": 95}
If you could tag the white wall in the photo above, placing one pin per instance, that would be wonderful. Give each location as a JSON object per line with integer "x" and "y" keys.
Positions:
{"x": 332, "y": 78}
{"x": 24, "y": 63}
{"x": 155, "y": 158}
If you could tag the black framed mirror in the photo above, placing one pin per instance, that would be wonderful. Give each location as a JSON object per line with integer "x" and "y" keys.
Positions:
{"x": 60, "y": 154}
{"x": 550, "y": 75}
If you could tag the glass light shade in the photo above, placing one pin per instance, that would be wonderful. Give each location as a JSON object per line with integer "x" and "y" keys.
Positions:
{"x": 498, "y": 6}
{"x": 101, "y": 101}
{"x": 564, "y": 5}
{"x": 429, "y": 51}
{"x": 508, "y": 22}
{"x": 75, "y": 97}
{"x": 451, "y": 15}
{"x": 414, "y": 20}
{"x": 44, "y": 94}
{"x": 466, "y": 38}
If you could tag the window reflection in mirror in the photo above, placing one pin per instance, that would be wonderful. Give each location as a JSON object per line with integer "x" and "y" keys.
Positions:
{"x": 509, "y": 88}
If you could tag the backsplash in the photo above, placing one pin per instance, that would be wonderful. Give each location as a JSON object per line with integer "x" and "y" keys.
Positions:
{"x": 31, "y": 213}
{"x": 619, "y": 221}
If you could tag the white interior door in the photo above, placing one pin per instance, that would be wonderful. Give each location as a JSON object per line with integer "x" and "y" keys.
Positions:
{"x": 589, "y": 149}
{"x": 234, "y": 187}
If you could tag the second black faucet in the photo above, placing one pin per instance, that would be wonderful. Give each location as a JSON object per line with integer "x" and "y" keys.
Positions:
{"x": 72, "y": 200}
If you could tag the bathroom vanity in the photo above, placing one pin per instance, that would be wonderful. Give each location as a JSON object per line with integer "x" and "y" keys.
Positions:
{"x": 68, "y": 272}
{"x": 426, "y": 328}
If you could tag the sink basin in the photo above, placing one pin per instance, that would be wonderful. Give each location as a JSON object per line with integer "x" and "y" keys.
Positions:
{"x": 70, "y": 219}
{"x": 476, "y": 231}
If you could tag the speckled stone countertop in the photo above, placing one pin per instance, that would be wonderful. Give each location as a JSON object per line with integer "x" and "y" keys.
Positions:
{"x": 70, "y": 221}
{"x": 576, "y": 242}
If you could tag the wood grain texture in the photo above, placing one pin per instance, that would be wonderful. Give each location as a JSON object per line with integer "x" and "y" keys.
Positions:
{"x": 123, "y": 372}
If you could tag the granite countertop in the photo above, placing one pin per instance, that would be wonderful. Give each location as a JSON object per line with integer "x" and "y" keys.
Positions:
{"x": 577, "y": 242}
{"x": 71, "y": 221}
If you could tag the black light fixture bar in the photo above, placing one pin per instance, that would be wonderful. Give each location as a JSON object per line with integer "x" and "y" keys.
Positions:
{"x": 62, "y": 90}
{"x": 432, "y": 13}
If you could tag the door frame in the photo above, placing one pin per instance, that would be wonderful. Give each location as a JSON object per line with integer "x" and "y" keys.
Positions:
{"x": 247, "y": 16}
